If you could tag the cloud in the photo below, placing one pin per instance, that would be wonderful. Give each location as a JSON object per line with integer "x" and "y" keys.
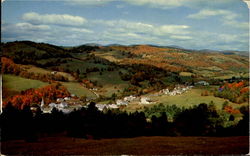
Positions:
{"x": 58, "y": 19}
{"x": 160, "y": 4}
{"x": 171, "y": 29}
{"x": 126, "y": 25}
{"x": 163, "y": 4}
{"x": 236, "y": 24}
{"x": 28, "y": 26}
{"x": 169, "y": 4}
{"x": 81, "y": 30}
{"x": 205, "y": 13}
{"x": 228, "y": 17}
{"x": 88, "y": 2}
{"x": 181, "y": 37}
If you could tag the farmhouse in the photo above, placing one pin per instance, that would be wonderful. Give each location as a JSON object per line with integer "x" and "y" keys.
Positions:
{"x": 203, "y": 83}
{"x": 67, "y": 98}
{"x": 53, "y": 72}
{"x": 100, "y": 107}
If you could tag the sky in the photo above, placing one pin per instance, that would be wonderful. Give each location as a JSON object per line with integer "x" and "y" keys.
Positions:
{"x": 191, "y": 24}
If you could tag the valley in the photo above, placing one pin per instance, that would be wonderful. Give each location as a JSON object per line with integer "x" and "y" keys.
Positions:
{"x": 106, "y": 74}
{"x": 103, "y": 92}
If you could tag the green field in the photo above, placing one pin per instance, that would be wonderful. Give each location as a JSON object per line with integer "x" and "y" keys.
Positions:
{"x": 190, "y": 98}
{"x": 77, "y": 89}
{"x": 20, "y": 84}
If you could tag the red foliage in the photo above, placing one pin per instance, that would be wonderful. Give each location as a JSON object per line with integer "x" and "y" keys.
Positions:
{"x": 34, "y": 96}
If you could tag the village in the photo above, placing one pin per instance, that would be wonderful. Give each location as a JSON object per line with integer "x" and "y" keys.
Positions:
{"x": 68, "y": 104}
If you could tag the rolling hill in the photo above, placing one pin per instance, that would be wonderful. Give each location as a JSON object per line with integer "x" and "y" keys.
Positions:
{"x": 124, "y": 70}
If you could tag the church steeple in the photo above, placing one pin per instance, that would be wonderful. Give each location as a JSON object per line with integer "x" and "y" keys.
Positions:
{"x": 42, "y": 103}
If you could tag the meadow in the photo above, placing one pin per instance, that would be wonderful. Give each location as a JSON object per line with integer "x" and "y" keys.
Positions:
{"x": 110, "y": 82}
{"x": 188, "y": 99}
{"x": 20, "y": 84}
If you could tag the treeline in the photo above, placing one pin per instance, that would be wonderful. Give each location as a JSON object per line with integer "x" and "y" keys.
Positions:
{"x": 237, "y": 92}
{"x": 202, "y": 120}
{"x": 34, "y": 96}
{"x": 83, "y": 49}
{"x": 9, "y": 67}
{"x": 27, "y": 52}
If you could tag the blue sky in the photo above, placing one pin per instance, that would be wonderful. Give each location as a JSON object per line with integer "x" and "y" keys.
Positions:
{"x": 193, "y": 24}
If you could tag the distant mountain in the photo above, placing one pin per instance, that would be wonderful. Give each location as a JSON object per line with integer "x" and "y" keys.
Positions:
{"x": 242, "y": 53}
{"x": 91, "y": 44}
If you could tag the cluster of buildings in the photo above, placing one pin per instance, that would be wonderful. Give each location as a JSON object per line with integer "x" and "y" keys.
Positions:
{"x": 62, "y": 104}
{"x": 176, "y": 91}
{"x": 102, "y": 107}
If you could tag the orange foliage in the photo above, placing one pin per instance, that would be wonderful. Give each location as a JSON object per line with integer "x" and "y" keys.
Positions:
{"x": 8, "y": 66}
{"x": 231, "y": 110}
{"x": 244, "y": 90}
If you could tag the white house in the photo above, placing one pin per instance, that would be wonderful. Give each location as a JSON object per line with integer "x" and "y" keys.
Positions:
{"x": 121, "y": 102}
{"x": 59, "y": 100}
{"x": 52, "y": 105}
{"x": 62, "y": 105}
{"x": 53, "y": 72}
{"x": 145, "y": 100}
{"x": 113, "y": 106}
{"x": 129, "y": 98}
{"x": 203, "y": 83}
{"x": 67, "y": 98}
{"x": 100, "y": 107}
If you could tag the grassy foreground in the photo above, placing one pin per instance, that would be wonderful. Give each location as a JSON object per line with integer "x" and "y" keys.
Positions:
{"x": 137, "y": 146}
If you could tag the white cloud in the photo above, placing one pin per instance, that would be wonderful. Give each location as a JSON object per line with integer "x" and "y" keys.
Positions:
{"x": 169, "y": 4}
{"x": 171, "y": 29}
{"x": 228, "y": 17}
{"x": 164, "y": 4}
{"x": 180, "y": 37}
{"x": 81, "y": 30}
{"x": 124, "y": 25}
{"x": 205, "y": 13}
{"x": 161, "y": 4}
{"x": 59, "y": 19}
{"x": 28, "y": 26}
